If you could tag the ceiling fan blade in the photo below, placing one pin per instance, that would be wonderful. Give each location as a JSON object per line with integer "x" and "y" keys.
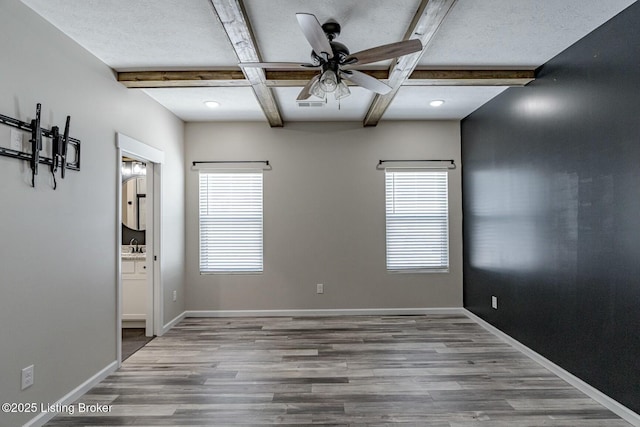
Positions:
{"x": 380, "y": 53}
{"x": 277, "y": 65}
{"x": 305, "y": 93}
{"x": 315, "y": 34}
{"x": 366, "y": 81}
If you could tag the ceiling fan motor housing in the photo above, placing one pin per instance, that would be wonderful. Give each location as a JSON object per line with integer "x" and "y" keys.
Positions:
{"x": 340, "y": 52}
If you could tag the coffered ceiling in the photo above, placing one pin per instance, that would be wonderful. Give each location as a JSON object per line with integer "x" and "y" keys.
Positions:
{"x": 185, "y": 52}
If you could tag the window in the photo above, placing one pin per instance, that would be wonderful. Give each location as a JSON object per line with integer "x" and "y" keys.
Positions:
{"x": 417, "y": 220}
{"x": 230, "y": 222}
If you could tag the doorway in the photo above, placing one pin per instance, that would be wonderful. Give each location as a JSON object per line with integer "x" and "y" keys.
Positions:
{"x": 139, "y": 286}
{"x": 137, "y": 324}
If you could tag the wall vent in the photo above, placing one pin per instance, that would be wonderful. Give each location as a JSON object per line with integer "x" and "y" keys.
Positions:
{"x": 310, "y": 103}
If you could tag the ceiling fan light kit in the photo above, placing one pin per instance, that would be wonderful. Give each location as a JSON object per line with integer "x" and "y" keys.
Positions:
{"x": 328, "y": 81}
{"x": 342, "y": 91}
{"x": 316, "y": 90}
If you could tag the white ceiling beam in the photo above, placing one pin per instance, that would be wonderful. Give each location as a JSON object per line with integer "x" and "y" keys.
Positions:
{"x": 233, "y": 19}
{"x": 424, "y": 26}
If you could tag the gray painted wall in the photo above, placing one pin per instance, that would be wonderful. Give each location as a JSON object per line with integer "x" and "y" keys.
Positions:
{"x": 58, "y": 304}
{"x": 324, "y": 216}
{"x": 551, "y": 210}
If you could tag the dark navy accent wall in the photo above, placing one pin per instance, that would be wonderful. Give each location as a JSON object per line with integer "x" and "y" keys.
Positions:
{"x": 551, "y": 199}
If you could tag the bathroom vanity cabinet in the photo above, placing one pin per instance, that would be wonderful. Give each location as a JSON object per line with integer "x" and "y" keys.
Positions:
{"x": 134, "y": 291}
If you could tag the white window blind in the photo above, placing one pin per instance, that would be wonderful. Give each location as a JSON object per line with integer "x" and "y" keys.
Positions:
{"x": 230, "y": 222}
{"x": 417, "y": 220}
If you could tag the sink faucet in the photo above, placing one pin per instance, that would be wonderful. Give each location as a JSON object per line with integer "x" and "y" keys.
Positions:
{"x": 133, "y": 249}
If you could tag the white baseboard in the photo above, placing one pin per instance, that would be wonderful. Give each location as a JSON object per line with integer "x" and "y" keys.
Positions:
{"x": 133, "y": 324}
{"x": 172, "y": 323}
{"x": 322, "y": 312}
{"x": 614, "y": 406}
{"x": 74, "y": 394}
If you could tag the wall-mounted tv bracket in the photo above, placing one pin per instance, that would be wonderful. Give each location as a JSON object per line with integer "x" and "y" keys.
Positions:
{"x": 59, "y": 142}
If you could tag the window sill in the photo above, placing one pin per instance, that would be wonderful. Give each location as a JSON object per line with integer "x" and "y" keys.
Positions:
{"x": 231, "y": 273}
{"x": 419, "y": 271}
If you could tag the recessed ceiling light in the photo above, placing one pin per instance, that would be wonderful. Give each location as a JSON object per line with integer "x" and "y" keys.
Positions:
{"x": 436, "y": 102}
{"x": 212, "y": 104}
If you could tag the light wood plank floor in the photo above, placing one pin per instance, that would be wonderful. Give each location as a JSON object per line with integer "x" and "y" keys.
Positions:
{"x": 434, "y": 370}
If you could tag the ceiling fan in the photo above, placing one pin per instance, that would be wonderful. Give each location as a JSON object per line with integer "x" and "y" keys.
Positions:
{"x": 336, "y": 63}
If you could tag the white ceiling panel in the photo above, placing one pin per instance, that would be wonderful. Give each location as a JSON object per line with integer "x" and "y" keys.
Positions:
{"x": 351, "y": 108}
{"x": 512, "y": 33}
{"x": 236, "y": 103}
{"x": 364, "y": 24}
{"x": 142, "y": 34}
{"x": 412, "y": 103}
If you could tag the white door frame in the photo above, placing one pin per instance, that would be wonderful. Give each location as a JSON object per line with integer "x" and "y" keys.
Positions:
{"x": 127, "y": 146}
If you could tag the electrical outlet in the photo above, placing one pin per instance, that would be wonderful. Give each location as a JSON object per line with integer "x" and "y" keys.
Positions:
{"x": 175, "y": 295}
{"x": 320, "y": 288}
{"x": 27, "y": 377}
{"x": 494, "y": 302}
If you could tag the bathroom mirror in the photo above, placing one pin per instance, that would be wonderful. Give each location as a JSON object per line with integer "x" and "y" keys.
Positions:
{"x": 134, "y": 212}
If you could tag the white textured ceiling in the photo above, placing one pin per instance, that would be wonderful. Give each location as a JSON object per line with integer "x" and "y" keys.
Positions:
{"x": 236, "y": 103}
{"x": 412, "y": 103}
{"x": 364, "y": 24}
{"x": 516, "y": 33}
{"x": 142, "y": 34}
{"x": 186, "y": 34}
